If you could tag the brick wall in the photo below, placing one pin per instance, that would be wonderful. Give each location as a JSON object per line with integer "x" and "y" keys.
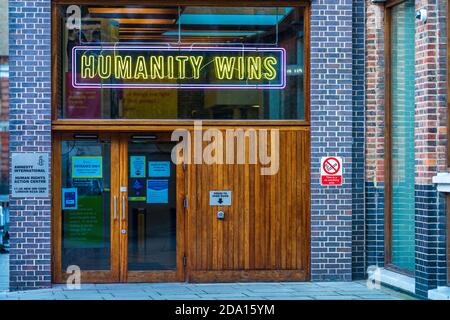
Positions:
{"x": 430, "y": 141}
{"x": 430, "y": 145}
{"x": 30, "y": 131}
{"x": 331, "y": 134}
{"x": 358, "y": 206}
{"x": 374, "y": 70}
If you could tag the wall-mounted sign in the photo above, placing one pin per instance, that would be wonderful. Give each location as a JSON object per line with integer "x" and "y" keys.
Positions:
{"x": 159, "y": 169}
{"x": 331, "y": 171}
{"x": 178, "y": 67}
{"x": 137, "y": 190}
{"x": 220, "y": 198}
{"x": 157, "y": 191}
{"x": 30, "y": 176}
{"x": 137, "y": 167}
{"x": 70, "y": 198}
{"x": 87, "y": 167}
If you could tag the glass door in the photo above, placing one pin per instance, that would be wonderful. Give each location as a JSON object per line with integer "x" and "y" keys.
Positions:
{"x": 400, "y": 190}
{"x": 152, "y": 221}
{"x": 86, "y": 226}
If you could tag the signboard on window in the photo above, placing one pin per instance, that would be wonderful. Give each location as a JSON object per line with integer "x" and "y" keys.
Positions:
{"x": 178, "y": 67}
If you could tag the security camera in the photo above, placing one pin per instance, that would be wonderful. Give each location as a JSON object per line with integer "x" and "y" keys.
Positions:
{"x": 422, "y": 15}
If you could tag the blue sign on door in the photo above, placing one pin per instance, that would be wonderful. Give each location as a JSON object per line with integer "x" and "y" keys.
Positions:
{"x": 159, "y": 169}
{"x": 157, "y": 191}
{"x": 69, "y": 198}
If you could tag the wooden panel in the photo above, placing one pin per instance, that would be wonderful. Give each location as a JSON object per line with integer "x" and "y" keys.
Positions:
{"x": 258, "y": 3}
{"x": 388, "y": 140}
{"x": 56, "y": 210}
{"x": 247, "y": 275}
{"x": 267, "y": 226}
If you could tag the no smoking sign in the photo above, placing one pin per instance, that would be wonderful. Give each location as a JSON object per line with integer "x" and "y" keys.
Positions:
{"x": 331, "y": 171}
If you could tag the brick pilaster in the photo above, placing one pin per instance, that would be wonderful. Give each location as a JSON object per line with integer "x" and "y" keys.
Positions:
{"x": 331, "y": 134}
{"x": 30, "y": 131}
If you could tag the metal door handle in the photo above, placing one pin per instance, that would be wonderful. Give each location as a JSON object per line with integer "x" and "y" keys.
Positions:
{"x": 115, "y": 207}
{"x": 123, "y": 208}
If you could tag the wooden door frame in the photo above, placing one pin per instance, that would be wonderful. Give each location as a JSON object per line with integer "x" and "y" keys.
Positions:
{"x": 152, "y": 276}
{"x": 58, "y": 276}
{"x": 388, "y": 140}
{"x": 59, "y": 126}
{"x": 110, "y": 124}
{"x": 448, "y": 140}
{"x": 119, "y": 247}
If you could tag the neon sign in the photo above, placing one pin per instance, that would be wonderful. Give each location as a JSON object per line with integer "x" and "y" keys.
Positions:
{"x": 178, "y": 67}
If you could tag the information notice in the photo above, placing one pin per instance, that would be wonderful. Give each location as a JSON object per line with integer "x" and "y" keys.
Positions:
{"x": 30, "y": 176}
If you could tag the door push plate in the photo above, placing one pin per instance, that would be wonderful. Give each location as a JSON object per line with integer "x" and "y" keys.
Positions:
{"x": 123, "y": 189}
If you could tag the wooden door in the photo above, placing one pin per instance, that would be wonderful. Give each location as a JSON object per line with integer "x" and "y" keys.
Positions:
{"x": 265, "y": 232}
{"x": 151, "y": 222}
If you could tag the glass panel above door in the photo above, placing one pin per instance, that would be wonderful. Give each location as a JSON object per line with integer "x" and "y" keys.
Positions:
{"x": 190, "y": 62}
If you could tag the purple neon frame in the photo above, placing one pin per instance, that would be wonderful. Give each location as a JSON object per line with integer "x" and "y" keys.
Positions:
{"x": 180, "y": 86}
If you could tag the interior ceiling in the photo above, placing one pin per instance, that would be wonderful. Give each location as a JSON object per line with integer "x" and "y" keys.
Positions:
{"x": 196, "y": 24}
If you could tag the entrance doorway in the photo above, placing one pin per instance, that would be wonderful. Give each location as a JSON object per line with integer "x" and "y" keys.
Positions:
{"x": 121, "y": 201}
{"x": 123, "y": 211}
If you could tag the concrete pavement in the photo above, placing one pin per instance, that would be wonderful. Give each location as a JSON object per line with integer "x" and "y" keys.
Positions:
{"x": 356, "y": 290}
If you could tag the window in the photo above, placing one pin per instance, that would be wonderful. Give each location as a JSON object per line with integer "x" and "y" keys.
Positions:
{"x": 153, "y": 82}
{"x": 400, "y": 196}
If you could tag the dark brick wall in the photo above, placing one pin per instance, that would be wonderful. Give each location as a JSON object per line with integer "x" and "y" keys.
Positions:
{"x": 375, "y": 224}
{"x": 431, "y": 251}
{"x": 358, "y": 201}
{"x": 30, "y": 131}
{"x": 331, "y": 134}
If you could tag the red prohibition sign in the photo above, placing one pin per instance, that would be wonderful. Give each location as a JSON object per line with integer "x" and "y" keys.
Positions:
{"x": 335, "y": 168}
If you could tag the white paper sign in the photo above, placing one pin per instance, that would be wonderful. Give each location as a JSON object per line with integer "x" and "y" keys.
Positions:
{"x": 220, "y": 198}
{"x": 30, "y": 177}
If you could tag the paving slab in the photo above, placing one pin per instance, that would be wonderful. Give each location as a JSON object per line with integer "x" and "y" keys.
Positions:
{"x": 339, "y": 297}
{"x": 220, "y": 291}
{"x": 287, "y": 298}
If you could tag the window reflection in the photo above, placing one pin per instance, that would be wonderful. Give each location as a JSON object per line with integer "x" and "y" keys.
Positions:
{"x": 212, "y": 26}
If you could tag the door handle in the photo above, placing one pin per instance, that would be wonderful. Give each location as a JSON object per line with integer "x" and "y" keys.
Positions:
{"x": 123, "y": 208}
{"x": 115, "y": 207}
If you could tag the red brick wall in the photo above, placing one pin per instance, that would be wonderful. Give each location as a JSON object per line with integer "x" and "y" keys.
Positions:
{"x": 431, "y": 91}
{"x": 374, "y": 92}
{"x": 4, "y": 136}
